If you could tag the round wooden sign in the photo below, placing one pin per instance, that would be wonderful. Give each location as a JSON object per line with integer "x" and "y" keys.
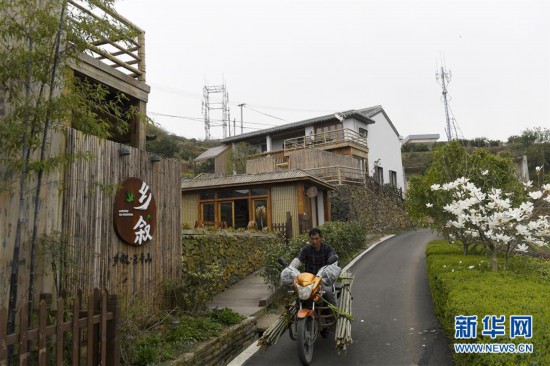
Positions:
{"x": 312, "y": 192}
{"x": 135, "y": 212}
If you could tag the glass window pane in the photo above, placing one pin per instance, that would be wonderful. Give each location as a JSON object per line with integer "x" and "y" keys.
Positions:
{"x": 233, "y": 193}
{"x": 259, "y": 191}
{"x": 208, "y": 212}
{"x": 226, "y": 213}
{"x": 260, "y": 213}
{"x": 208, "y": 195}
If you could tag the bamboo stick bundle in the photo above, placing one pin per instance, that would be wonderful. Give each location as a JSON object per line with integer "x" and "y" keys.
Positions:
{"x": 274, "y": 332}
{"x": 343, "y": 324}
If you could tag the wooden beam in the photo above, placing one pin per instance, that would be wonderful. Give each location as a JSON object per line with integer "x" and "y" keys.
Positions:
{"x": 301, "y": 198}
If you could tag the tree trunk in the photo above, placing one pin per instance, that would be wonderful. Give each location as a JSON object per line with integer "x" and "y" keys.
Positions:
{"x": 37, "y": 201}
{"x": 12, "y": 307}
{"x": 494, "y": 259}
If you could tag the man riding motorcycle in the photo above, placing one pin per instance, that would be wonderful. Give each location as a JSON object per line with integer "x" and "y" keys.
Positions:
{"x": 316, "y": 256}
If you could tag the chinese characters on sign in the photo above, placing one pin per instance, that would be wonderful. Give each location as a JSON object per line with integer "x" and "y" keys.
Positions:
{"x": 135, "y": 212}
{"x": 123, "y": 258}
{"x": 493, "y": 326}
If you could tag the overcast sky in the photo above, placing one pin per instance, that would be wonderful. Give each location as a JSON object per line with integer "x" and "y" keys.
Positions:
{"x": 299, "y": 59}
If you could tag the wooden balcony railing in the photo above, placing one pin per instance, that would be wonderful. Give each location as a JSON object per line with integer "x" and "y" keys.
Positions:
{"x": 338, "y": 174}
{"x": 125, "y": 51}
{"x": 325, "y": 139}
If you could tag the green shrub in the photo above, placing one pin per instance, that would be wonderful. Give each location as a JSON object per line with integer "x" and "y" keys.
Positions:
{"x": 196, "y": 287}
{"x": 347, "y": 238}
{"x": 226, "y": 316}
{"x": 464, "y": 285}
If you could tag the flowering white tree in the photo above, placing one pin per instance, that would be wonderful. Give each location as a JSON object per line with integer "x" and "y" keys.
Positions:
{"x": 491, "y": 218}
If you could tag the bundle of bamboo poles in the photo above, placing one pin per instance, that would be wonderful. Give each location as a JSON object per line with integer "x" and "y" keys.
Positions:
{"x": 274, "y": 332}
{"x": 343, "y": 324}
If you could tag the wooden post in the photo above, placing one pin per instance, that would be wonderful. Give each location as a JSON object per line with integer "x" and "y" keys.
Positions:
{"x": 76, "y": 332}
{"x": 141, "y": 55}
{"x": 59, "y": 330}
{"x": 42, "y": 333}
{"x": 103, "y": 327}
{"x": 95, "y": 327}
{"x": 137, "y": 128}
{"x": 288, "y": 226}
{"x": 23, "y": 325}
{"x": 90, "y": 332}
{"x": 3, "y": 336}
{"x": 113, "y": 332}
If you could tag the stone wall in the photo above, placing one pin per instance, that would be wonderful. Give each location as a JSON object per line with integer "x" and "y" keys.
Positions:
{"x": 239, "y": 254}
{"x": 222, "y": 349}
{"x": 377, "y": 212}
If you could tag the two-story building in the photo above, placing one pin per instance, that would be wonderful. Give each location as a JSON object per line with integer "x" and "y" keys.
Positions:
{"x": 350, "y": 147}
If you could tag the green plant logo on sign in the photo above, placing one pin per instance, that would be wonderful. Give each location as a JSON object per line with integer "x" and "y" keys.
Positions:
{"x": 135, "y": 212}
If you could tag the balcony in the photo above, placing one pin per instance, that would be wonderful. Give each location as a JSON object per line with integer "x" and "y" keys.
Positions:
{"x": 339, "y": 175}
{"x": 121, "y": 46}
{"x": 327, "y": 140}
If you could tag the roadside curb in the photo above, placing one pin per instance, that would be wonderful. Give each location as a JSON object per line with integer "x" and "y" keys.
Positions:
{"x": 253, "y": 348}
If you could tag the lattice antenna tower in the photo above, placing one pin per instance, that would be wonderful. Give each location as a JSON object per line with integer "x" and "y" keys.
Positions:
{"x": 215, "y": 98}
{"x": 443, "y": 78}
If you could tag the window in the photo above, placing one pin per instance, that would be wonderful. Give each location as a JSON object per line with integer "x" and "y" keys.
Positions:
{"x": 363, "y": 132}
{"x": 226, "y": 213}
{"x": 207, "y": 195}
{"x": 393, "y": 178}
{"x": 260, "y": 213}
{"x": 233, "y": 193}
{"x": 379, "y": 175}
{"x": 207, "y": 210}
{"x": 236, "y": 207}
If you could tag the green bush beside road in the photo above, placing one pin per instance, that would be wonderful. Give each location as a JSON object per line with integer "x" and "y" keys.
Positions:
{"x": 465, "y": 285}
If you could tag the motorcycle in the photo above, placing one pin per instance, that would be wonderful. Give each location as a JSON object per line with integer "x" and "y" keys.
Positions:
{"x": 312, "y": 316}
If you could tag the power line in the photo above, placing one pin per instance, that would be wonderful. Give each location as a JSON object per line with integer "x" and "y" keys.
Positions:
{"x": 265, "y": 114}
{"x": 201, "y": 119}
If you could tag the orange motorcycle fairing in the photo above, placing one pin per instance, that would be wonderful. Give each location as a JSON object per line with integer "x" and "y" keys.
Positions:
{"x": 302, "y": 313}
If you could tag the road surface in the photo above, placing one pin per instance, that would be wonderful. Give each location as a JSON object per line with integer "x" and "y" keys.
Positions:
{"x": 394, "y": 323}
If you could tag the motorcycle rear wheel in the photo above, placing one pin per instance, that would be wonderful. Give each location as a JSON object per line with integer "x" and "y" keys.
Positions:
{"x": 306, "y": 339}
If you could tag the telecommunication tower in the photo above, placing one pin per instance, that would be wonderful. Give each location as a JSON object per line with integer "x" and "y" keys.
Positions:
{"x": 443, "y": 77}
{"x": 215, "y": 98}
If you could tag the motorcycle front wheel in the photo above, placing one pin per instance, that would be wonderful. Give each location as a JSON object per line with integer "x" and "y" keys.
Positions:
{"x": 306, "y": 339}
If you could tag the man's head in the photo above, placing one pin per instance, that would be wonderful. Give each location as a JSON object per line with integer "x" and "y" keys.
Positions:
{"x": 315, "y": 238}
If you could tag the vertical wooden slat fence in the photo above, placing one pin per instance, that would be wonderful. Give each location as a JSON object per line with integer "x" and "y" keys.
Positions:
{"x": 30, "y": 346}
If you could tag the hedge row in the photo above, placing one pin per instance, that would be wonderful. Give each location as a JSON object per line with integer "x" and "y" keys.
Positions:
{"x": 465, "y": 285}
{"x": 213, "y": 260}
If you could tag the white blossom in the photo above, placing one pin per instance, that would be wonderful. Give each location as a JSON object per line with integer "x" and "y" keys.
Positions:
{"x": 522, "y": 248}
{"x": 535, "y": 195}
{"x": 528, "y": 184}
{"x": 471, "y": 267}
{"x": 429, "y": 205}
{"x": 435, "y": 187}
{"x": 485, "y": 172}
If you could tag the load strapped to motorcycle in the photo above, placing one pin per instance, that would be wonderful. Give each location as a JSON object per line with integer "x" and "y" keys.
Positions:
{"x": 308, "y": 314}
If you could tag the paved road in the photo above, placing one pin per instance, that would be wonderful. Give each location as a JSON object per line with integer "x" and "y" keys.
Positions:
{"x": 392, "y": 308}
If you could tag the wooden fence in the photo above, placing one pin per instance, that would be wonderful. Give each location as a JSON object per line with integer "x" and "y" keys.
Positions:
{"x": 78, "y": 202}
{"x": 93, "y": 333}
{"x": 284, "y": 228}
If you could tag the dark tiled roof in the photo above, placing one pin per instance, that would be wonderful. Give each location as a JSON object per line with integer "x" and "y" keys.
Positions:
{"x": 250, "y": 179}
{"x": 361, "y": 115}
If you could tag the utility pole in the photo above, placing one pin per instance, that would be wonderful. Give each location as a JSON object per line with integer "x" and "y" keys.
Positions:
{"x": 209, "y": 104}
{"x": 241, "y": 105}
{"x": 444, "y": 77}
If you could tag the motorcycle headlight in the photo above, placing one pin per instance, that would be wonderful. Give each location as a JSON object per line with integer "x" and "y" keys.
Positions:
{"x": 304, "y": 292}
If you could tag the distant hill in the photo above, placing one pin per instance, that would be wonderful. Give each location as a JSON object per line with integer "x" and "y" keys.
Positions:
{"x": 534, "y": 143}
{"x": 171, "y": 146}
